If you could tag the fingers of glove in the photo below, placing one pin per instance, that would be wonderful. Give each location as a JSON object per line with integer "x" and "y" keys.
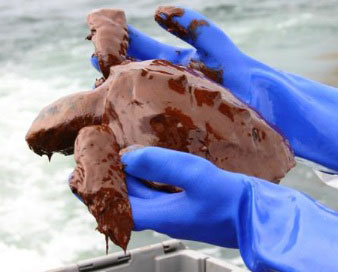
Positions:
{"x": 143, "y": 47}
{"x": 157, "y": 214}
{"x": 176, "y": 168}
{"x": 197, "y": 30}
{"x": 138, "y": 189}
{"x": 135, "y": 188}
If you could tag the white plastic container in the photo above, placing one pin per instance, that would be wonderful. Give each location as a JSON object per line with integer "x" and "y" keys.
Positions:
{"x": 169, "y": 256}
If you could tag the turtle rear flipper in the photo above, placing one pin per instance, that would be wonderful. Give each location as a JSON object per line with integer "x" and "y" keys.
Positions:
{"x": 99, "y": 181}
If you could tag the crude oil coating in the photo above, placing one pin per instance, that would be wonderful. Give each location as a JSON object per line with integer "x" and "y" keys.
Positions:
{"x": 99, "y": 181}
{"x": 192, "y": 29}
{"x": 57, "y": 125}
{"x": 110, "y": 36}
{"x": 206, "y": 97}
{"x": 226, "y": 110}
{"x": 178, "y": 84}
{"x": 207, "y": 120}
{"x": 164, "y": 16}
{"x": 151, "y": 103}
{"x": 215, "y": 75}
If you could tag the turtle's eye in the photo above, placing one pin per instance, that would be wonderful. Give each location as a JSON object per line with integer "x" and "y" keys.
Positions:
{"x": 92, "y": 33}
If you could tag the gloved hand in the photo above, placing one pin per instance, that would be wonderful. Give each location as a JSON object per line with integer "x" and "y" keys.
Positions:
{"x": 205, "y": 211}
{"x": 304, "y": 111}
{"x": 275, "y": 228}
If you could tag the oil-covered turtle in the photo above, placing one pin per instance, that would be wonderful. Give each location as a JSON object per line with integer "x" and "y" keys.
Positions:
{"x": 149, "y": 103}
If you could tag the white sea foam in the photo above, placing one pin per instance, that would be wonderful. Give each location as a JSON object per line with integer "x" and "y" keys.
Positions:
{"x": 34, "y": 192}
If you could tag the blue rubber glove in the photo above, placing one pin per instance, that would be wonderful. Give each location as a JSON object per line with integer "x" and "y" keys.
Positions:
{"x": 304, "y": 111}
{"x": 275, "y": 228}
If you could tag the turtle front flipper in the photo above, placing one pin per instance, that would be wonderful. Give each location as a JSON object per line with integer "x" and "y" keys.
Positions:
{"x": 57, "y": 125}
{"x": 110, "y": 37}
{"x": 100, "y": 181}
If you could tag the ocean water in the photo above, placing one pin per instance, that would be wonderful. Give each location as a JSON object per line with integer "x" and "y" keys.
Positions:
{"x": 44, "y": 56}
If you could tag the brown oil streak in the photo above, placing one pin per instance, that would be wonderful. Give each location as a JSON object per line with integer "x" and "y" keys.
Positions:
{"x": 168, "y": 22}
{"x": 204, "y": 96}
{"x": 178, "y": 84}
{"x": 215, "y": 75}
{"x": 192, "y": 29}
{"x": 226, "y": 110}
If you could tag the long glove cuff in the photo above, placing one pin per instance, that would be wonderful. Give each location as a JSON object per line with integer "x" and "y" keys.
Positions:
{"x": 281, "y": 229}
{"x": 299, "y": 108}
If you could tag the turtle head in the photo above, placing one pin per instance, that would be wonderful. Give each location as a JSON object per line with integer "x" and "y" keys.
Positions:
{"x": 57, "y": 125}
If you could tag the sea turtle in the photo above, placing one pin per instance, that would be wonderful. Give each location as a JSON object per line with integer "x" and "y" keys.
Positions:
{"x": 149, "y": 103}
